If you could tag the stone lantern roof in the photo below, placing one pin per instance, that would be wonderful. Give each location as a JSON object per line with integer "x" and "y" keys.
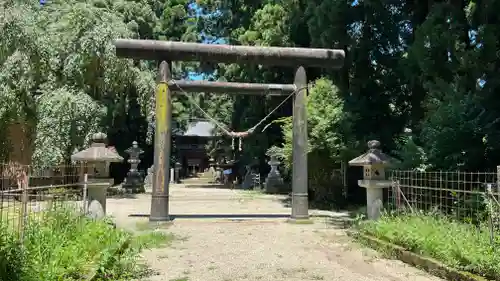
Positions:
{"x": 97, "y": 152}
{"x": 373, "y": 156}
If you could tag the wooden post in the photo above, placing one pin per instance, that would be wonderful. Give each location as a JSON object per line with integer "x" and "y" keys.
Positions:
{"x": 84, "y": 199}
{"x": 163, "y": 132}
{"x": 498, "y": 184}
{"x": 491, "y": 225}
{"x": 23, "y": 219}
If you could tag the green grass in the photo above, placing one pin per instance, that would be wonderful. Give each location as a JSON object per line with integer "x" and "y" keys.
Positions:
{"x": 251, "y": 194}
{"x": 65, "y": 246}
{"x": 153, "y": 239}
{"x": 460, "y": 246}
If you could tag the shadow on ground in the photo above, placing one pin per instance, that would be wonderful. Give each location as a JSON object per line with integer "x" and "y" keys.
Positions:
{"x": 218, "y": 186}
{"x": 218, "y": 216}
{"x": 352, "y": 209}
{"x": 343, "y": 221}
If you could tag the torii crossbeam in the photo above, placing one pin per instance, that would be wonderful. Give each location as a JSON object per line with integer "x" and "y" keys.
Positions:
{"x": 167, "y": 51}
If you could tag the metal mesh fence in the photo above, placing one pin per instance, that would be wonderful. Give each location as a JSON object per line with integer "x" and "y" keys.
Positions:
{"x": 467, "y": 197}
{"x": 26, "y": 195}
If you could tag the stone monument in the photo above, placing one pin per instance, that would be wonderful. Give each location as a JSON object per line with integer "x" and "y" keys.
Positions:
{"x": 248, "y": 178}
{"x": 148, "y": 182}
{"x": 134, "y": 182}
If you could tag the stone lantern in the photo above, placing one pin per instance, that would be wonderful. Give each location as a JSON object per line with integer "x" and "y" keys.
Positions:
{"x": 374, "y": 163}
{"x": 274, "y": 180}
{"x": 97, "y": 159}
{"x": 134, "y": 181}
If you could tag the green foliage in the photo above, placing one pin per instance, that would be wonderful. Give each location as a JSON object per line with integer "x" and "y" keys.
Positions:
{"x": 429, "y": 66}
{"x": 329, "y": 143}
{"x": 269, "y": 27}
{"x": 69, "y": 244}
{"x": 411, "y": 155}
{"x": 12, "y": 258}
{"x": 454, "y": 133}
{"x": 66, "y": 246}
{"x": 328, "y": 123}
{"x": 460, "y": 246}
{"x": 82, "y": 116}
{"x": 59, "y": 72}
{"x": 470, "y": 207}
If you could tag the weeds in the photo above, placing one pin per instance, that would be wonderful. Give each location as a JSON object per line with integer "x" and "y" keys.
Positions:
{"x": 458, "y": 245}
{"x": 66, "y": 246}
{"x": 11, "y": 257}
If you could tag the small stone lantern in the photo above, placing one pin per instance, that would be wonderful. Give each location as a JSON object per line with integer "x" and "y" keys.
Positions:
{"x": 374, "y": 163}
{"x": 97, "y": 158}
{"x": 134, "y": 181}
{"x": 274, "y": 180}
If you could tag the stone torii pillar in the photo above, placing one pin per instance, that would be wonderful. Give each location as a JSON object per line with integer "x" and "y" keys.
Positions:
{"x": 166, "y": 51}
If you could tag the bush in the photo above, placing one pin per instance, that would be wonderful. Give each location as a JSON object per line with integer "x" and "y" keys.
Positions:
{"x": 70, "y": 244}
{"x": 458, "y": 245}
{"x": 330, "y": 142}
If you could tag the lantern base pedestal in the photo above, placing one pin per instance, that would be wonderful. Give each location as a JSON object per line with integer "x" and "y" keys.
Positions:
{"x": 374, "y": 202}
{"x": 97, "y": 190}
{"x": 374, "y": 196}
{"x": 134, "y": 182}
{"x": 273, "y": 183}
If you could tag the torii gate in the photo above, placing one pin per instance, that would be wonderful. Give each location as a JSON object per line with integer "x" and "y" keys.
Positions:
{"x": 167, "y": 51}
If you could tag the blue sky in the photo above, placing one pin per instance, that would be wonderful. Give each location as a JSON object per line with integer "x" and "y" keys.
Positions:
{"x": 199, "y": 13}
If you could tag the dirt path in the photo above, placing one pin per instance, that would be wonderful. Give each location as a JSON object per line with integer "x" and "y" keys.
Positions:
{"x": 222, "y": 249}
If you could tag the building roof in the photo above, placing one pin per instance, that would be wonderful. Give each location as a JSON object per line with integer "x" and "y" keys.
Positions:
{"x": 200, "y": 129}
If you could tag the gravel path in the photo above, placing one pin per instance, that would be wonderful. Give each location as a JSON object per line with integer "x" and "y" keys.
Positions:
{"x": 229, "y": 249}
